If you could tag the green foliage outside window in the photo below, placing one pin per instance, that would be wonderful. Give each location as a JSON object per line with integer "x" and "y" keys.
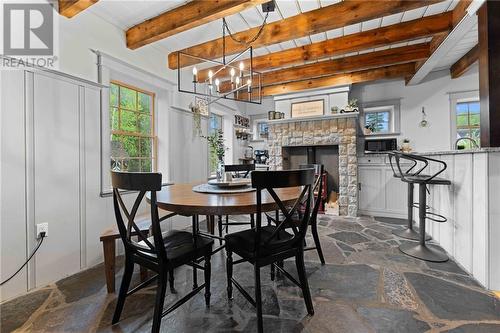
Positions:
{"x": 132, "y": 129}
{"x": 215, "y": 127}
{"x": 377, "y": 122}
{"x": 468, "y": 123}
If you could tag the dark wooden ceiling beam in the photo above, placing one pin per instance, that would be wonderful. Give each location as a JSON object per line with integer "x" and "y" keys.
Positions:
{"x": 315, "y": 21}
{"x": 185, "y": 17}
{"x": 70, "y": 8}
{"x": 389, "y": 72}
{"x": 395, "y": 56}
{"x": 463, "y": 64}
{"x": 406, "y": 31}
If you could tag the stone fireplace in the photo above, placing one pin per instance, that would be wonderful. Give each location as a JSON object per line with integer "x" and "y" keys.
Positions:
{"x": 333, "y": 130}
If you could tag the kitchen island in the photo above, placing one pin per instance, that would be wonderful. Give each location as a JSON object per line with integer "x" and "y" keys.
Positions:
{"x": 471, "y": 204}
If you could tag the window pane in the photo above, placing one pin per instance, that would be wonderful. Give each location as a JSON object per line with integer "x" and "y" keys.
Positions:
{"x": 131, "y": 145}
{"x": 146, "y": 166}
{"x": 144, "y": 102}
{"x": 113, "y": 94}
{"x": 114, "y": 119}
{"x": 128, "y": 98}
{"x": 378, "y": 122}
{"x": 462, "y": 133}
{"x": 462, "y": 108}
{"x": 474, "y": 107}
{"x": 133, "y": 166}
{"x": 144, "y": 124}
{"x": 129, "y": 121}
{"x": 474, "y": 119}
{"x": 462, "y": 120}
{"x": 146, "y": 147}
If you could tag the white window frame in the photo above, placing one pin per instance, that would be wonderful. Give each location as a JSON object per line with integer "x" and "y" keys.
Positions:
{"x": 456, "y": 98}
{"x": 393, "y": 106}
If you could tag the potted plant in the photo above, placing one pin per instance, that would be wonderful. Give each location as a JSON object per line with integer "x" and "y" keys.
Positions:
{"x": 352, "y": 106}
{"x": 405, "y": 146}
{"x": 216, "y": 145}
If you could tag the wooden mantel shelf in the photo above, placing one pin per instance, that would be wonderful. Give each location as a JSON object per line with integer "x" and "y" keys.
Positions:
{"x": 313, "y": 118}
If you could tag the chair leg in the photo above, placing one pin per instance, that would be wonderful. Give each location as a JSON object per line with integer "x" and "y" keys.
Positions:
{"x": 258, "y": 299}
{"x": 171, "y": 281}
{"x": 109, "y": 263}
{"x": 208, "y": 269}
{"x": 229, "y": 272}
{"x": 195, "y": 278}
{"x": 314, "y": 231}
{"x": 127, "y": 276}
{"x": 227, "y": 224}
{"x": 301, "y": 270}
{"x": 273, "y": 272}
{"x": 160, "y": 298}
{"x": 252, "y": 221}
{"x": 220, "y": 229}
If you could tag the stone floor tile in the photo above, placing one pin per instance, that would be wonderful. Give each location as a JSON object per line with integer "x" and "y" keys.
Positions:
{"x": 335, "y": 318}
{"x": 349, "y": 237}
{"x": 16, "y": 312}
{"x": 393, "y": 321}
{"x": 476, "y": 328}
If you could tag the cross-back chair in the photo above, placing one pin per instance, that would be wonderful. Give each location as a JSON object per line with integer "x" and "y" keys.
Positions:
{"x": 266, "y": 245}
{"x": 161, "y": 252}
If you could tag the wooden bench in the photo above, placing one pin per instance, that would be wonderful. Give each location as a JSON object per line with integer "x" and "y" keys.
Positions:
{"x": 108, "y": 239}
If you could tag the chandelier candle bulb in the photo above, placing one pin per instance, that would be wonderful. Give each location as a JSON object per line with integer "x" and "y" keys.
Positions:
{"x": 210, "y": 76}
{"x": 242, "y": 67}
{"x": 232, "y": 72}
{"x": 217, "y": 83}
{"x": 237, "y": 81}
{"x": 249, "y": 86}
{"x": 195, "y": 75}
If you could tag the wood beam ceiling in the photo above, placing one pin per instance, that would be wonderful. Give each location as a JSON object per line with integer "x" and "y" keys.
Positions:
{"x": 389, "y": 72}
{"x": 70, "y": 8}
{"x": 320, "y": 20}
{"x": 463, "y": 64}
{"x": 185, "y": 17}
{"x": 406, "y": 31}
{"x": 360, "y": 62}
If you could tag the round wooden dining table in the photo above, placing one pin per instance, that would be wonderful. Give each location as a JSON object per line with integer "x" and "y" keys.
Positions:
{"x": 181, "y": 199}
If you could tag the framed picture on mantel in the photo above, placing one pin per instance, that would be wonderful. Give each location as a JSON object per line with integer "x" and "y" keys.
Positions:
{"x": 308, "y": 109}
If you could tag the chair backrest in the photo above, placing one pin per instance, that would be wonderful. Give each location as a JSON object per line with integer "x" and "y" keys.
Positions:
{"x": 141, "y": 182}
{"x": 413, "y": 170}
{"x": 240, "y": 170}
{"x": 271, "y": 180}
{"x": 318, "y": 186}
{"x": 427, "y": 161}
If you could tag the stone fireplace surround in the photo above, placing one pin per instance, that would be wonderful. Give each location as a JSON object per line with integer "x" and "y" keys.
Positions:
{"x": 326, "y": 130}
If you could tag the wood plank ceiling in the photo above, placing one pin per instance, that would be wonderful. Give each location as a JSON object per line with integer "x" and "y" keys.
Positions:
{"x": 306, "y": 43}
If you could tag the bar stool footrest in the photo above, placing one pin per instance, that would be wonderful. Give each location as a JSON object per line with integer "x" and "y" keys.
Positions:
{"x": 417, "y": 205}
{"x": 436, "y": 217}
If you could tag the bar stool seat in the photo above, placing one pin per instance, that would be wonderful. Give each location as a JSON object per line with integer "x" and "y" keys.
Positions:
{"x": 424, "y": 179}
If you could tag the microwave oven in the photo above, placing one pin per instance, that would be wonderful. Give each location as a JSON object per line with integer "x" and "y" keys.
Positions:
{"x": 380, "y": 145}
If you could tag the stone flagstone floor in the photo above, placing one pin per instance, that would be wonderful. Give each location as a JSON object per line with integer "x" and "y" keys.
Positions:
{"x": 367, "y": 285}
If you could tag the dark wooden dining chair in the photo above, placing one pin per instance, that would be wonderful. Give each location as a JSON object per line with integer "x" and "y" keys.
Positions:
{"x": 161, "y": 252}
{"x": 313, "y": 221}
{"x": 238, "y": 171}
{"x": 266, "y": 245}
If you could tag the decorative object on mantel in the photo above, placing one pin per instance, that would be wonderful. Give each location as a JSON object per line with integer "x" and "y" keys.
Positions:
{"x": 352, "y": 106}
{"x": 424, "y": 122}
{"x": 335, "y": 109}
{"x": 241, "y": 121}
{"x": 233, "y": 79}
{"x": 308, "y": 109}
{"x": 405, "y": 146}
{"x": 216, "y": 143}
{"x": 196, "y": 110}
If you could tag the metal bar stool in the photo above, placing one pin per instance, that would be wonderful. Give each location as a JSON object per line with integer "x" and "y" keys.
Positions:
{"x": 414, "y": 170}
{"x": 421, "y": 250}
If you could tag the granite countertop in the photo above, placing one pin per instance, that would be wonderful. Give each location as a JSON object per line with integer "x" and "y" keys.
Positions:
{"x": 442, "y": 152}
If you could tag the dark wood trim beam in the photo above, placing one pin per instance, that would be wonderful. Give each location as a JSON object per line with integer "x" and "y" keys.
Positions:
{"x": 70, "y": 8}
{"x": 389, "y": 72}
{"x": 463, "y": 64}
{"x": 406, "y": 31}
{"x": 372, "y": 60}
{"x": 323, "y": 19}
{"x": 489, "y": 73}
{"x": 185, "y": 17}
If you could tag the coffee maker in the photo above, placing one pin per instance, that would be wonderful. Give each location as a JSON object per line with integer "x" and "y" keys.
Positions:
{"x": 261, "y": 156}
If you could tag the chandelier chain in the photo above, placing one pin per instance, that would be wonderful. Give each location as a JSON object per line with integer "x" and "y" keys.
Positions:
{"x": 243, "y": 42}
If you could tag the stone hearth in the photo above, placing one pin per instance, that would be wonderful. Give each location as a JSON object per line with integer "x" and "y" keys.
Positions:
{"x": 339, "y": 131}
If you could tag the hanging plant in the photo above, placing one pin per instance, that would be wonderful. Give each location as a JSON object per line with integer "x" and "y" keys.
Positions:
{"x": 195, "y": 109}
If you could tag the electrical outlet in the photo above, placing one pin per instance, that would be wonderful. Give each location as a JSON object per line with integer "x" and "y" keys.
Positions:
{"x": 42, "y": 227}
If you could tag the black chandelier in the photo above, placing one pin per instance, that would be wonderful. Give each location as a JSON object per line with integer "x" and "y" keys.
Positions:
{"x": 225, "y": 78}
